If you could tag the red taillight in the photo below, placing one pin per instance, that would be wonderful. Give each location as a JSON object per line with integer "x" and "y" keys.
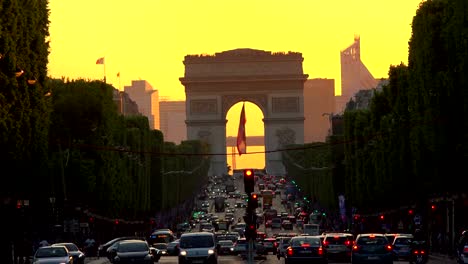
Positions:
{"x": 325, "y": 243}
{"x": 355, "y": 248}
{"x": 347, "y": 243}
{"x": 275, "y": 244}
{"x": 465, "y": 249}
{"x": 388, "y": 247}
{"x": 289, "y": 251}
{"x": 320, "y": 251}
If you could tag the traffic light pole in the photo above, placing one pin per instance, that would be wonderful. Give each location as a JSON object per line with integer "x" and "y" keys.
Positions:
{"x": 250, "y": 255}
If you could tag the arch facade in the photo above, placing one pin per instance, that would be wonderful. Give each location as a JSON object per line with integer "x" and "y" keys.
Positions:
{"x": 272, "y": 81}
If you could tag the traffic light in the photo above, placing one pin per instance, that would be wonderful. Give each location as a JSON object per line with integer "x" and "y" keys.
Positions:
{"x": 251, "y": 231}
{"x": 253, "y": 202}
{"x": 249, "y": 181}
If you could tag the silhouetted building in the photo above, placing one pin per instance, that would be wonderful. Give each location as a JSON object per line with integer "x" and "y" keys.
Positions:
{"x": 172, "y": 117}
{"x": 354, "y": 75}
{"x": 319, "y": 104}
{"x": 147, "y": 100}
{"x": 125, "y": 105}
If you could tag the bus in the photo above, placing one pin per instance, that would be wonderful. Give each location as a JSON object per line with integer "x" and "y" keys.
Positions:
{"x": 267, "y": 198}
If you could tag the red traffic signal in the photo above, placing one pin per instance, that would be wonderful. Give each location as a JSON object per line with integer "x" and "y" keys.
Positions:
{"x": 249, "y": 181}
{"x": 253, "y": 202}
{"x": 382, "y": 217}
{"x": 410, "y": 211}
{"x": 116, "y": 221}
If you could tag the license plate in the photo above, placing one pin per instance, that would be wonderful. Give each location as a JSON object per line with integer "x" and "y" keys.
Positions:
{"x": 197, "y": 261}
{"x": 306, "y": 251}
{"x": 372, "y": 258}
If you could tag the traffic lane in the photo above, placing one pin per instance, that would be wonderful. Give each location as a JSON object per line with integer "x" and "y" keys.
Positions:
{"x": 272, "y": 259}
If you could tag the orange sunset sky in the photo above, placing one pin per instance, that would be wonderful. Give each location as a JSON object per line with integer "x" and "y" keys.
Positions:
{"x": 148, "y": 39}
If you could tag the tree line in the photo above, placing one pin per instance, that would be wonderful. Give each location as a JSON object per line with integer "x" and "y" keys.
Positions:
{"x": 411, "y": 143}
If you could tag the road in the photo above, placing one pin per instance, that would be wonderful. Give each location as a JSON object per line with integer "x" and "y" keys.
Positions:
{"x": 239, "y": 212}
{"x": 272, "y": 259}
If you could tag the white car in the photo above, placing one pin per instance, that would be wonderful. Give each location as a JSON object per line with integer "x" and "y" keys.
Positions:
{"x": 52, "y": 255}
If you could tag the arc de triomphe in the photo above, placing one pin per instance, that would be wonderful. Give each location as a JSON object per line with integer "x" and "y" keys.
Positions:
{"x": 272, "y": 81}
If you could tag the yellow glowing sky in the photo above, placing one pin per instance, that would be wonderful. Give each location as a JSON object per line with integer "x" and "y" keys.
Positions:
{"x": 148, "y": 39}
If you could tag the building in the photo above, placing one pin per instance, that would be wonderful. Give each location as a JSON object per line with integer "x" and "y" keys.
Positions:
{"x": 172, "y": 119}
{"x": 147, "y": 100}
{"x": 125, "y": 105}
{"x": 354, "y": 75}
{"x": 319, "y": 104}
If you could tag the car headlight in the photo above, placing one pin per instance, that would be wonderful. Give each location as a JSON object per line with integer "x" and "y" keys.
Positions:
{"x": 210, "y": 252}
{"x": 183, "y": 253}
{"x": 232, "y": 249}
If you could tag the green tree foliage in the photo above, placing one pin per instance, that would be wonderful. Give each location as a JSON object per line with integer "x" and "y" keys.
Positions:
{"x": 308, "y": 165}
{"x": 413, "y": 137}
{"x": 24, "y": 110}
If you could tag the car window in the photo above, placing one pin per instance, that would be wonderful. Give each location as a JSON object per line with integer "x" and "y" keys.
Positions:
{"x": 51, "y": 252}
{"x": 402, "y": 241}
{"x": 133, "y": 247}
{"x": 372, "y": 241}
{"x": 196, "y": 241}
{"x": 305, "y": 240}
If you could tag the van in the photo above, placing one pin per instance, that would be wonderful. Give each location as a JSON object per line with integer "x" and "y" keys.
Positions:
{"x": 311, "y": 229}
{"x": 198, "y": 247}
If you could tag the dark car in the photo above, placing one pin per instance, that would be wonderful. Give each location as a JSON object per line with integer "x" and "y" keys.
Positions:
{"x": 226, "y": 247}
{"x": 131, "y": 251}
{"x": 305, "y": 249}
{"x": 269, "y": 244}
{"x": 74, "y": 251}
{"x": 402, "y": 247}
{"x": 338, "y": 246}
{"x": 102, "y": 249}
{"x": 372, "y": 248}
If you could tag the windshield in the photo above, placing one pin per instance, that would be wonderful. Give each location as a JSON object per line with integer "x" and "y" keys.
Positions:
{"x": 133, "y": 247}
{"x": 197, "y": 241}
{"x": 51, "y": 252}
{"x": 299, "y": 241}
{"x": 161, "y": 237}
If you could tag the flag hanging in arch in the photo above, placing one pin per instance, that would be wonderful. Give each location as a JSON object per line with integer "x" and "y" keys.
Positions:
{"x": 241, "y": 139}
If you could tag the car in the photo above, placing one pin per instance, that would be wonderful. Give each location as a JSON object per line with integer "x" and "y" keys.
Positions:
{"x": 74, "y": 251}
{"x": 198, "y": 247}
{"x": 287, "y": 225}
{"x": 226, "y": 247}
{"x": 132, "y": 251}
{"x": 371, "y": 248}
{"x": 52, "y": 255}
{"x": 338, "y": 246}
{"x": 305, "y": 249}
{"x": 162, "y": 247}
{"x": 276, "y": 222}
{"x": 102, "y": 249}
{"x": 173, "y": 248}
{"x": 269, "y": 244}
{"x": 283, "y": 244}
{"x": 402, "y": 247}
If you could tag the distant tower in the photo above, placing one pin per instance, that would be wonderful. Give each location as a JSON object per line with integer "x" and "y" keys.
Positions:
{"x": 147, "y": 100}
{"x": 354, "y": 75}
